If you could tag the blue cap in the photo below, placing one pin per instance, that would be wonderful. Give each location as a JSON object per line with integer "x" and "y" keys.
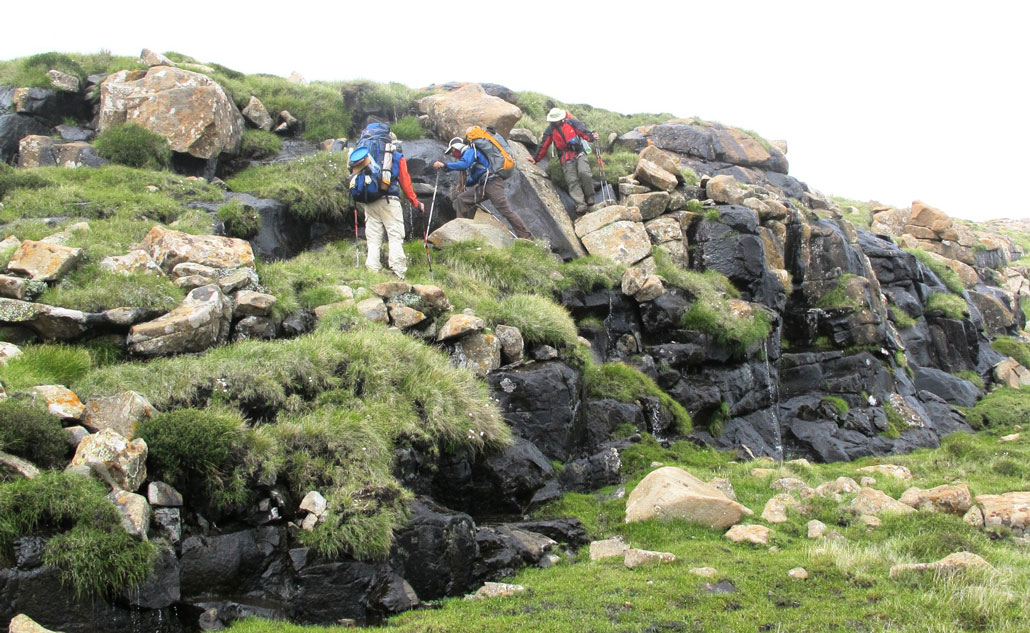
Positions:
{"x": 358, "y": 154}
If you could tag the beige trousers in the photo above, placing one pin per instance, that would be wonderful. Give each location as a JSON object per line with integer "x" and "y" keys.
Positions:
{"x": 385, "y": 216}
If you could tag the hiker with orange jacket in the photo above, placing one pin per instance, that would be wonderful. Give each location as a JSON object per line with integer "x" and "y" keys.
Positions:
{"x": 567, "y": 134}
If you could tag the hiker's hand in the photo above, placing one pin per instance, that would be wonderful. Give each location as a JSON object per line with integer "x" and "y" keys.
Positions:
{"x": 531, "y": 161}
{"x": 437, "y": 165}
{"x": 421, "y": 207}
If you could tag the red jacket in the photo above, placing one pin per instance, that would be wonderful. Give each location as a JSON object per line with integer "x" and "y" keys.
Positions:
{"x": 564, "y": 134}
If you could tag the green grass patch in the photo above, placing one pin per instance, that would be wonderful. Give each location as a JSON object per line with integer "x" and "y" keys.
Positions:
{"x": 92, "y": 289}
{"x": 690, "y": 177}
{"x": 240, "y": 220}
{"x": 948, "y": 276}
{"x": 259, "y": 144}
{"x": 901, "y": 318}
{"x": 28, "y": 430}
{"x": 896, "y": 424}
{"x": 837, "y": 403}
{"x": 31, "y": 72}
{"x": 408, "y": 128}
{"x": 616, "y": 165}
{"x": 857, "y": 212}
{"x": 839, "y": 297}
{"x": 394, "y": 100}
{"x": 972, "y": 377}
{"x": 603, "y": 122}
{"x": 133, "y": 146}
{"x": 1004, "y": 407}
{"x": 539, "y": 319}
{"x": 1013, "y": 346}
{"x": 89, "y": 548}
{"x": 952, "y": 306}
{"x": 315, "y": 187}
{"x": 45, "y": 365}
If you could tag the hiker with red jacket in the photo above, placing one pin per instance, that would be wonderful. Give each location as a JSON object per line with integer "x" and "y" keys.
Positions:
{"x": 480, "y": 184}
{"x": 567, "y": 134}
{"x": 379, "y": 173}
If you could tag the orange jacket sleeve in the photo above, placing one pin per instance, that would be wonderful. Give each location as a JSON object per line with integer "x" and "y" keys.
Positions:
{"x": 405, "y": 179}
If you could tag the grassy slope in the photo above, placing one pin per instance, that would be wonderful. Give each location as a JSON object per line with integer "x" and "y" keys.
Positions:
{"x": 848, "y": 588}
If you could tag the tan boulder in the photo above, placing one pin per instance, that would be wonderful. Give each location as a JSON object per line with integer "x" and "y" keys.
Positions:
{"x": 1011, "y": 374}
{"x": 775, "y": 510}
{"x": 46, "y": 151}
{"x": 479, "y": 352}
{"x": 189, "y": 109}
{"x": 755, "y": 534}
{"x": 672, "y": 493}
{"x": 798, "y": 573}
{"x": 43, "y": 261}
{"x": 724, "y": 189}
{"x": 13, "y": 465}
{"x": 1012, "y": 437}
{"x": 622, "y": 242}
{"x": 134, "y": 510}
{"x": 651, "y": 204}
{"x": 661, "y": 158}
{"x": 432, "y": 299}
{"x": 889, "y": 221}
{"x": 875, "y": 502}
{"x": 256, "y": 113}
{"x": 201, "y": 321}
{"x": 404, "y": 317}
{"x": 251, "y": 303}
{"x": 664, "y": 229}
{"x": 651, "y": 174}
{"x": 8, "y": 351}
{"x": 601, "y": 218}
{"x": 890, "y": 470}
{"x": 460, "y": 325}
{"x": 725, "y": 486}
{"x": 704, "y": 572}
{"x": 924, "y": 215}
{"x": 451, "y": 113}
{"x": 391, "y": 289}
{"x": 169, "y": 248}
{"x": 513, "y": 345}
{"x": 120, "y": 462}
{"x": 952, "y": 563}
{"x": 24, "y": 624}
{"x": 122, "y": 412}
{"x": 135, "y": 261}
{"x": 495, "y": 590}
{"x": 63, "y": 81}
{"x": 633, "y": 558}
{"x": 788, "y": 484}
{"x": 151, "y": 58}
{"x": 60, "y": 401}
{"x": 1010, "y": 510}
{"x": 372, "y": 309}
{"x": 816, "y": 529}
{"x": 608, "y": 548}
{"x": 837, "y": 488}
{"x": 464, "y": 229}
{"x": 950, "y": 499}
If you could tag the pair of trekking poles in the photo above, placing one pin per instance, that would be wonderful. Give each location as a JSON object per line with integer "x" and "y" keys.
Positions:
{"x": 425, "y": 239}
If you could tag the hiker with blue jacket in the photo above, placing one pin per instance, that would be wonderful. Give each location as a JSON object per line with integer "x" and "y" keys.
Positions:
{"x": 480, "y": 184}
{"x": 379, "y": 173}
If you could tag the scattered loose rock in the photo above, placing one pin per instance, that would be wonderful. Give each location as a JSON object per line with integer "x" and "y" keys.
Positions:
{"x": 495, "y": 590}
{"x": 633, "y": 558}
{"x": 952, "y": 563}
{"x": 673, "y": 493}
{"x": 798, "y": 573}
{"x": 608, "y": 548}
{"x": 756, "y": 534}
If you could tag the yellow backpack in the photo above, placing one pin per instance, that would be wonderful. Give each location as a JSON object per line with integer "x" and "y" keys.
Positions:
{"x": 489, "y": 142}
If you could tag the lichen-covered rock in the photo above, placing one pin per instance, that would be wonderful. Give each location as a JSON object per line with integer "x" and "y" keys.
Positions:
{"x": 201, "y": 321}
{"x": 256, "y": 113}
{"x": 42, "y": 261}
{"x": 951, "y": 499}
{"x": 135, "y": 261}
{"x": 513, "y": 346}
{"x": 460, "y": 325}
{"x": 890, "y": 470}
{"x": 775, "y": 510}
{"x": 464, "y": 229}
{"x": 651, "y": 204}
{"x": 60, "y": 401}
{"x": 608, "y": 548}
{"x": 403, "y": 317}
{"x": 622, "y": 242}
{"x": 1011, "y": 374}
{"x": 633, "y": 558}
{"x": 24, "y": 624}
{"x": 374, "y": 310}
{"x": 135, "y": 512}
{"x": 189, "y": 109}
{"x": 495, "y": 590}
{"x": 169, "y": 248}
{"x": 601, "y": 218}
{"x": 121, "y": 412}
{"x": 724, "y": 189}
{"x": 479, "y": 352}
{"x": 876, "y": 502}
{"x": 1010, "y": 510}
{"x": 672, "y": 493}
{"x": 654, "y": 175}
{"x": 13, "y": 465}
{"x": 754, "y": 534}
{"x": 121, "y": 462}
{"x": 251, "y": 303}
{"x": 451, "y": 113}
{"x": 151, "y": 58}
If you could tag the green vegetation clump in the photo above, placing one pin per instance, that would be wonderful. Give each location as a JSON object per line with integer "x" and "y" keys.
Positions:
{"x": 92, "y": 289}
{"x": 896, "y": 424}
{"x": 259, "y": 144}
{"x": 31, "y": 72}
{"x": 408, "y": 128}
{"x": 535, "y": 106}
{"x": 690, "y": 177}
{"x": 953, "y": 306}
{"x": 766, "y": 145}
{"x": 695, "y": 206}
{"x": 838, "y": 297}
{"x": 44, "y": 365}
{"x": 901, "y": 318}
{"x": 539, "y": 319}
{"x": 315, "y": 187}
{"x": 208, "y": 451}
{"x": 1013, "y": 346}
{"x": 392, "y": 100}
{"x": 861, "y": 213}
{"x": 972, "y": 377}
{"x": 89, "y": 548}
{"x": 948, "y": 276}
{"x": 240, "y": 220}
{"x": 1003, "y": 407}
{"x": 839, "y": 404}
{"x": 29, "y": 431}
{"x": 719, "y": 419}
{"x": 133, "y": 146}
{"x": 616, "y": 165}
{"x": 11, "y": 179}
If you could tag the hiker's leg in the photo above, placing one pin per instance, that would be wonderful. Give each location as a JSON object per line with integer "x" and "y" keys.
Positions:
{"x": 572, "y": 179}
{"x": 393, "y": 219}
{"x": 374, "y": 231}
{"x": 465, "y": 203}
{"x": 495, "y": 191}
{"x": 586, "y": 178}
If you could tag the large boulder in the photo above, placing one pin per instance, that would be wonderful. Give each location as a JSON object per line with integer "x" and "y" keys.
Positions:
{"x": 43, "y": 261}
{"x": 121, "y": 462}
{"x": 451, "y": 113}
{"x": 189, "y": 109}
{"x": 15, "y": 127}
{"x": 121, "y": 412}
{"x": 435, "y": 553}
{"x": 169, "y": 248}
{"x": 541, "y": 205}
{"x": 623, "y": 242}
{"x": 464, "y": 229}
{"x": 44, "y": 151}
{"x": 201, "y": 321}
{"x": 673, "y": 493}
{"x": 711, "y": 142}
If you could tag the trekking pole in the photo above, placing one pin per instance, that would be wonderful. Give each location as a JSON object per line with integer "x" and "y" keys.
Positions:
{"x": 357, "y": 249}
{"x": 606, "y": 187}
{"x": 432, "y": 205}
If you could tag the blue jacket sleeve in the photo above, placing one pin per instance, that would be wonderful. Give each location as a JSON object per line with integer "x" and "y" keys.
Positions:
{"x": 468, "y": 158}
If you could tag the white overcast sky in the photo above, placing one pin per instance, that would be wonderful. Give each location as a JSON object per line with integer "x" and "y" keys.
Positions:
{"x": 890, "y": 101}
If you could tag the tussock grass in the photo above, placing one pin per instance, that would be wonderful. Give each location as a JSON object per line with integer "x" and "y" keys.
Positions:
{"x": 45, "y": 365}
{"x": 901, "y": 318}
{"x": 240, "y": 220}
{"x": 90, "y": 549}
{"x": 947, "y": 276}
{"x": 1002, "y": 407}
{"x": 91, "y": 289}
{"x": 258, "y": 144}
{"x": 134, "y": 146}
{"x": 315, "y": 187}
{"x": 539, "y": 319}
{"x": 30, "y": 431}
{"x": 603, "y": 122}
{"x": 408, "y": 128}
{"x": 1013, "y": 346}
{"x": 953, "y": 306}
{"x": 31, "y": 72}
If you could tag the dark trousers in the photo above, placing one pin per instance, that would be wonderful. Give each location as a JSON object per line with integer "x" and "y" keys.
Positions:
{"x": 466, "y": 201}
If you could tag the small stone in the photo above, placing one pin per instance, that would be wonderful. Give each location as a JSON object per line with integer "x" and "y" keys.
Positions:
{"x": 314, "y": 503}
{"x": 816, "y": 529}
{"x": 788, "y": 484}
{"x": 798, "y": 573}
{"x": 867, "y": 482}
{"x": 391, "y": 289}
{"x": 875, "y": 502}
{"x": 952, "y": 563}
{"x": 1014, "y": 437}
{"x": 633, "y": 558}
{"x": 374, "y": 310}
{"x": 608, "y": 548}
{"x": 309, "y": 523}
{"x": 761, "y": 473}
{"x": 892, "y": 470}
{"x": 75, "y": 435}
{"x": 460, "y": 325}
{"x": 61, "y": 401}
{"x": 162, "y": 495}
{"x": 870, "y": 521}
{"x": 495, "y": 590}
{"x": 704, "y": 572}
{"x": 24, "y": 624}
{"x": 756, "y": 534}
{"x": 135, "y": 512}
{"x": 775, "y": 510}
{"x": 250, "y": 303}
